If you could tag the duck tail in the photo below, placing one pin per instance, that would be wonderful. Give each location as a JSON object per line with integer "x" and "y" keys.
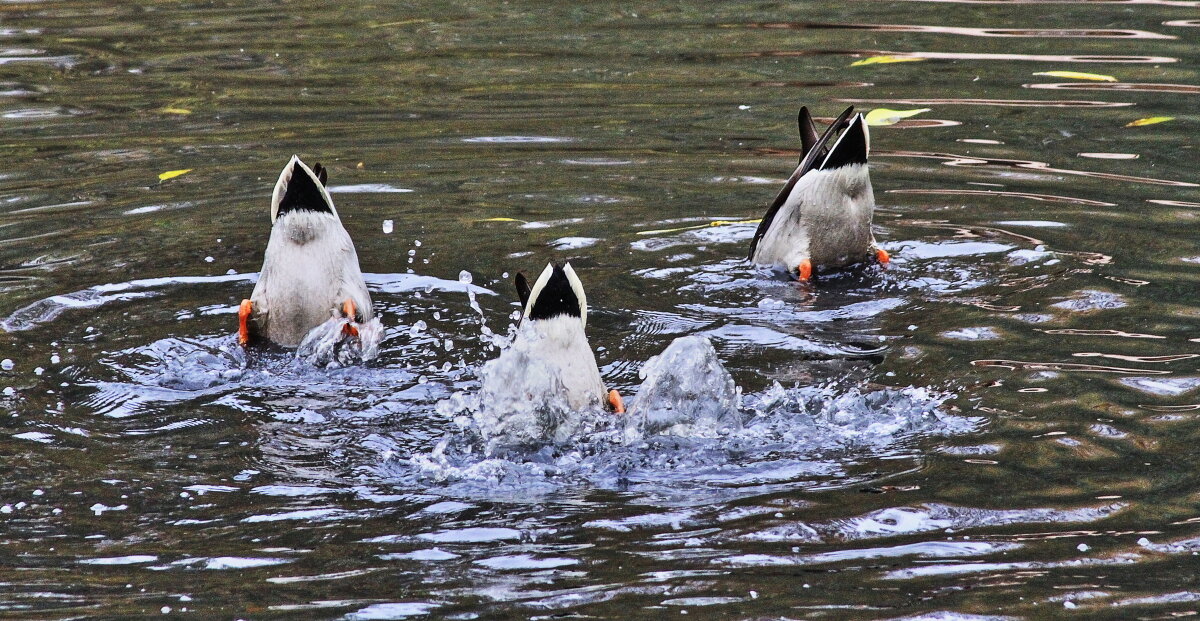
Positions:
{"x": 301, "y": 188}
{"x": 557, "y": 291}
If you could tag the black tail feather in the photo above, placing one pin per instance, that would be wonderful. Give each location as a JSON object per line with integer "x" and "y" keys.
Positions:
{"x": 522, "y": 289}
{"x": 303, "y": 193}
{"x": 808, "y": 131}
{"x": 851, "y": 148}
{"x": 556, "y": 297}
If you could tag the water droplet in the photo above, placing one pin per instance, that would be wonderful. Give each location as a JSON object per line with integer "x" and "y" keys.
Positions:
{"x": 208, "y": 259}
{"x": 7, "y": 364}
{"x": 387, "y": 227}
{"x": 54, "y": 359}
{"x": 464, "y": 277}
{"x": 412, "y": 253}
{"x": 417, "y": 243}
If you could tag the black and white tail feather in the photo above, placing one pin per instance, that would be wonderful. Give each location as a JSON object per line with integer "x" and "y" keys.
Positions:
{"x": 301, "y": 188}
{"x": 557, "y": 291}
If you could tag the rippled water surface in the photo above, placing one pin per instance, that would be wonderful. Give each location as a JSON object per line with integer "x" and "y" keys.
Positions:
{"x": 1002, "y": 422}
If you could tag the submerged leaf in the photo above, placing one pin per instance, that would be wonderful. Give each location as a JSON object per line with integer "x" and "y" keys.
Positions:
{"x": 175, "y": 111}
{"x": 1150, "y": 121}
{"x": 883, "y": 60}
{"x": 1077, "y": 75}
{"x": 171, "y": 174}
{"x": 885, "y": 116}
{"x": 499, "y": 220}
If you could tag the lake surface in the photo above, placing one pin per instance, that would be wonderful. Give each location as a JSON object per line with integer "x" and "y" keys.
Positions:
{"x": 1003, "y": 421}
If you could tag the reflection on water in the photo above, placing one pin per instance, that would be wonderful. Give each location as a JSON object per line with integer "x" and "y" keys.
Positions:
{"x": 1040, "y": 33}
{"x": 1121, "y": 86}
{"x": 1001, "y": 421}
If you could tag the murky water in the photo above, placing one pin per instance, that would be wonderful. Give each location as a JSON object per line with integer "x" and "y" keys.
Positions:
{"x": 1002, "y": 422}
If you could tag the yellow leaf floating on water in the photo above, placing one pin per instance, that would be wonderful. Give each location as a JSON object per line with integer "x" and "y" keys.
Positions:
{"x": 883, "y": 60}
{"x": 171, "y": 174}
{"x": 1150, "y": 121}
{"x": 699, "y": 226}
{"x": 1077, "y": 75}
{"x": 884, "y": 116}
{"x": 175, "y": 111}
{"x": 499, "y": 220}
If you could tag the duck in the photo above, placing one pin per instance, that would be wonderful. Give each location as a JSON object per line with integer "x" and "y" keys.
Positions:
{"x": 821, "y": 219}
{"x": 310, "y": 274}
{"x": 553, "y": 323}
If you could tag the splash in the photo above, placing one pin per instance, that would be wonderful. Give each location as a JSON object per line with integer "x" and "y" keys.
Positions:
{"x": 329, "y": 344}
{"x": 686, "y": 392}
{"x": 689, "y": 433}
{"x": 523, "y": 400}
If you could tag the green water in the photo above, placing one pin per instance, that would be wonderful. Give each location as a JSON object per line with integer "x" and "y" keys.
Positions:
{"x": 1046, "y": 283}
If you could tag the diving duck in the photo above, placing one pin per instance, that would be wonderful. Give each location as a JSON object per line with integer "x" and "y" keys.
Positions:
{"x": 822, "y": 216}
{"x": 310, "y": 275}
{"x": 555, "y": 308}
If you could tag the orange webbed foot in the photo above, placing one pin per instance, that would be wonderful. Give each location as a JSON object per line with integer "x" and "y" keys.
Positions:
{"x": 615, "y": 402}
{"x": 804, "y": 271}
{"x": 349, "y": 310}
{"x": 244, "y": 311}
{"x": 882, "y": 256}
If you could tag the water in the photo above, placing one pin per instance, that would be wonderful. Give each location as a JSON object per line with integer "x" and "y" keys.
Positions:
{"x": 1002, "y": 422}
